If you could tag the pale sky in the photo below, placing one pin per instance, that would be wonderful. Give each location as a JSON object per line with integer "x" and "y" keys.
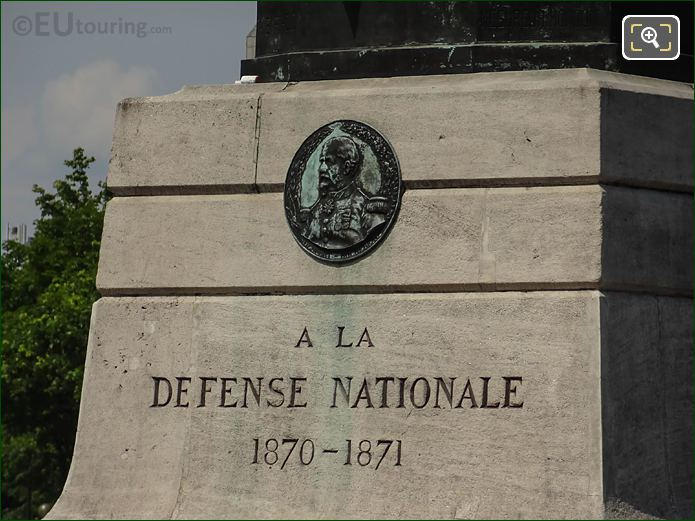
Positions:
{"x": 59, "y": 91}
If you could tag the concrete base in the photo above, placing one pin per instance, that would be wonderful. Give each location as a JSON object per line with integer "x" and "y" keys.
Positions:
{"x": 521, "y": 341}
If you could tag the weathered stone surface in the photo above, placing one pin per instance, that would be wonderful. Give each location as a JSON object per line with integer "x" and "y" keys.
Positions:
{"x": 646, "y": 139}
{"x": 453, "y": 239}
{"x": 301, "y": 27}
{"x": 647, "y": 240}
{"x": 540, "y": 460}
{"x": 518, "y": 127}
{"x": 127, "y": 462}
{"x": 515, "y": 128}
{"x": 443, "y": 239}
{"x": 201, "y": 136}
{"x": 573, "y": 449}
{"x": 447, "y": 129}
{"x": 646, "y": 385}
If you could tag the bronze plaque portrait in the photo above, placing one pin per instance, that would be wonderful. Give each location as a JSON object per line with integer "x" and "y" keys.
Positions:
{"x": 343, "y": 191}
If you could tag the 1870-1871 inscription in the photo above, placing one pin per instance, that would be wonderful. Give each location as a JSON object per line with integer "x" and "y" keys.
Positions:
{"x": 343, "y": 191}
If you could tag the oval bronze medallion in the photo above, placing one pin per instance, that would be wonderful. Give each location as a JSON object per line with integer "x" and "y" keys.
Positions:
{"x": 343, "y": 191}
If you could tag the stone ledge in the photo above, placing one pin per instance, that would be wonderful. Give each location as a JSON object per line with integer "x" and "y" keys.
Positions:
{"x": 446, "y": 130}
{"x": 579, "y": 237}
{"x": 457, "y": 238}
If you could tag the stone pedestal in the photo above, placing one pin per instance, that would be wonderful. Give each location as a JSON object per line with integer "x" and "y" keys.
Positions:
{"x": 528, "y": 317}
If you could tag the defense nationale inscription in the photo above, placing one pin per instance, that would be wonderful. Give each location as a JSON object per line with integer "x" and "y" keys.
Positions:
{"x": 343, "y": 191}
{"x": 352, "y": 392}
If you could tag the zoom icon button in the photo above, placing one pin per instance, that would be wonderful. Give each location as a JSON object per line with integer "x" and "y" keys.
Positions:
{"x": 651, "y": 37}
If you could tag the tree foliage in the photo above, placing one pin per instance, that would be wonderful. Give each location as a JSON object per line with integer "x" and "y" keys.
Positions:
{"x": 48, "y": 290}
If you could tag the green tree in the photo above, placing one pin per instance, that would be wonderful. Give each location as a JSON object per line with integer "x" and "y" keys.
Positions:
{"x": 48, "y": 290}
